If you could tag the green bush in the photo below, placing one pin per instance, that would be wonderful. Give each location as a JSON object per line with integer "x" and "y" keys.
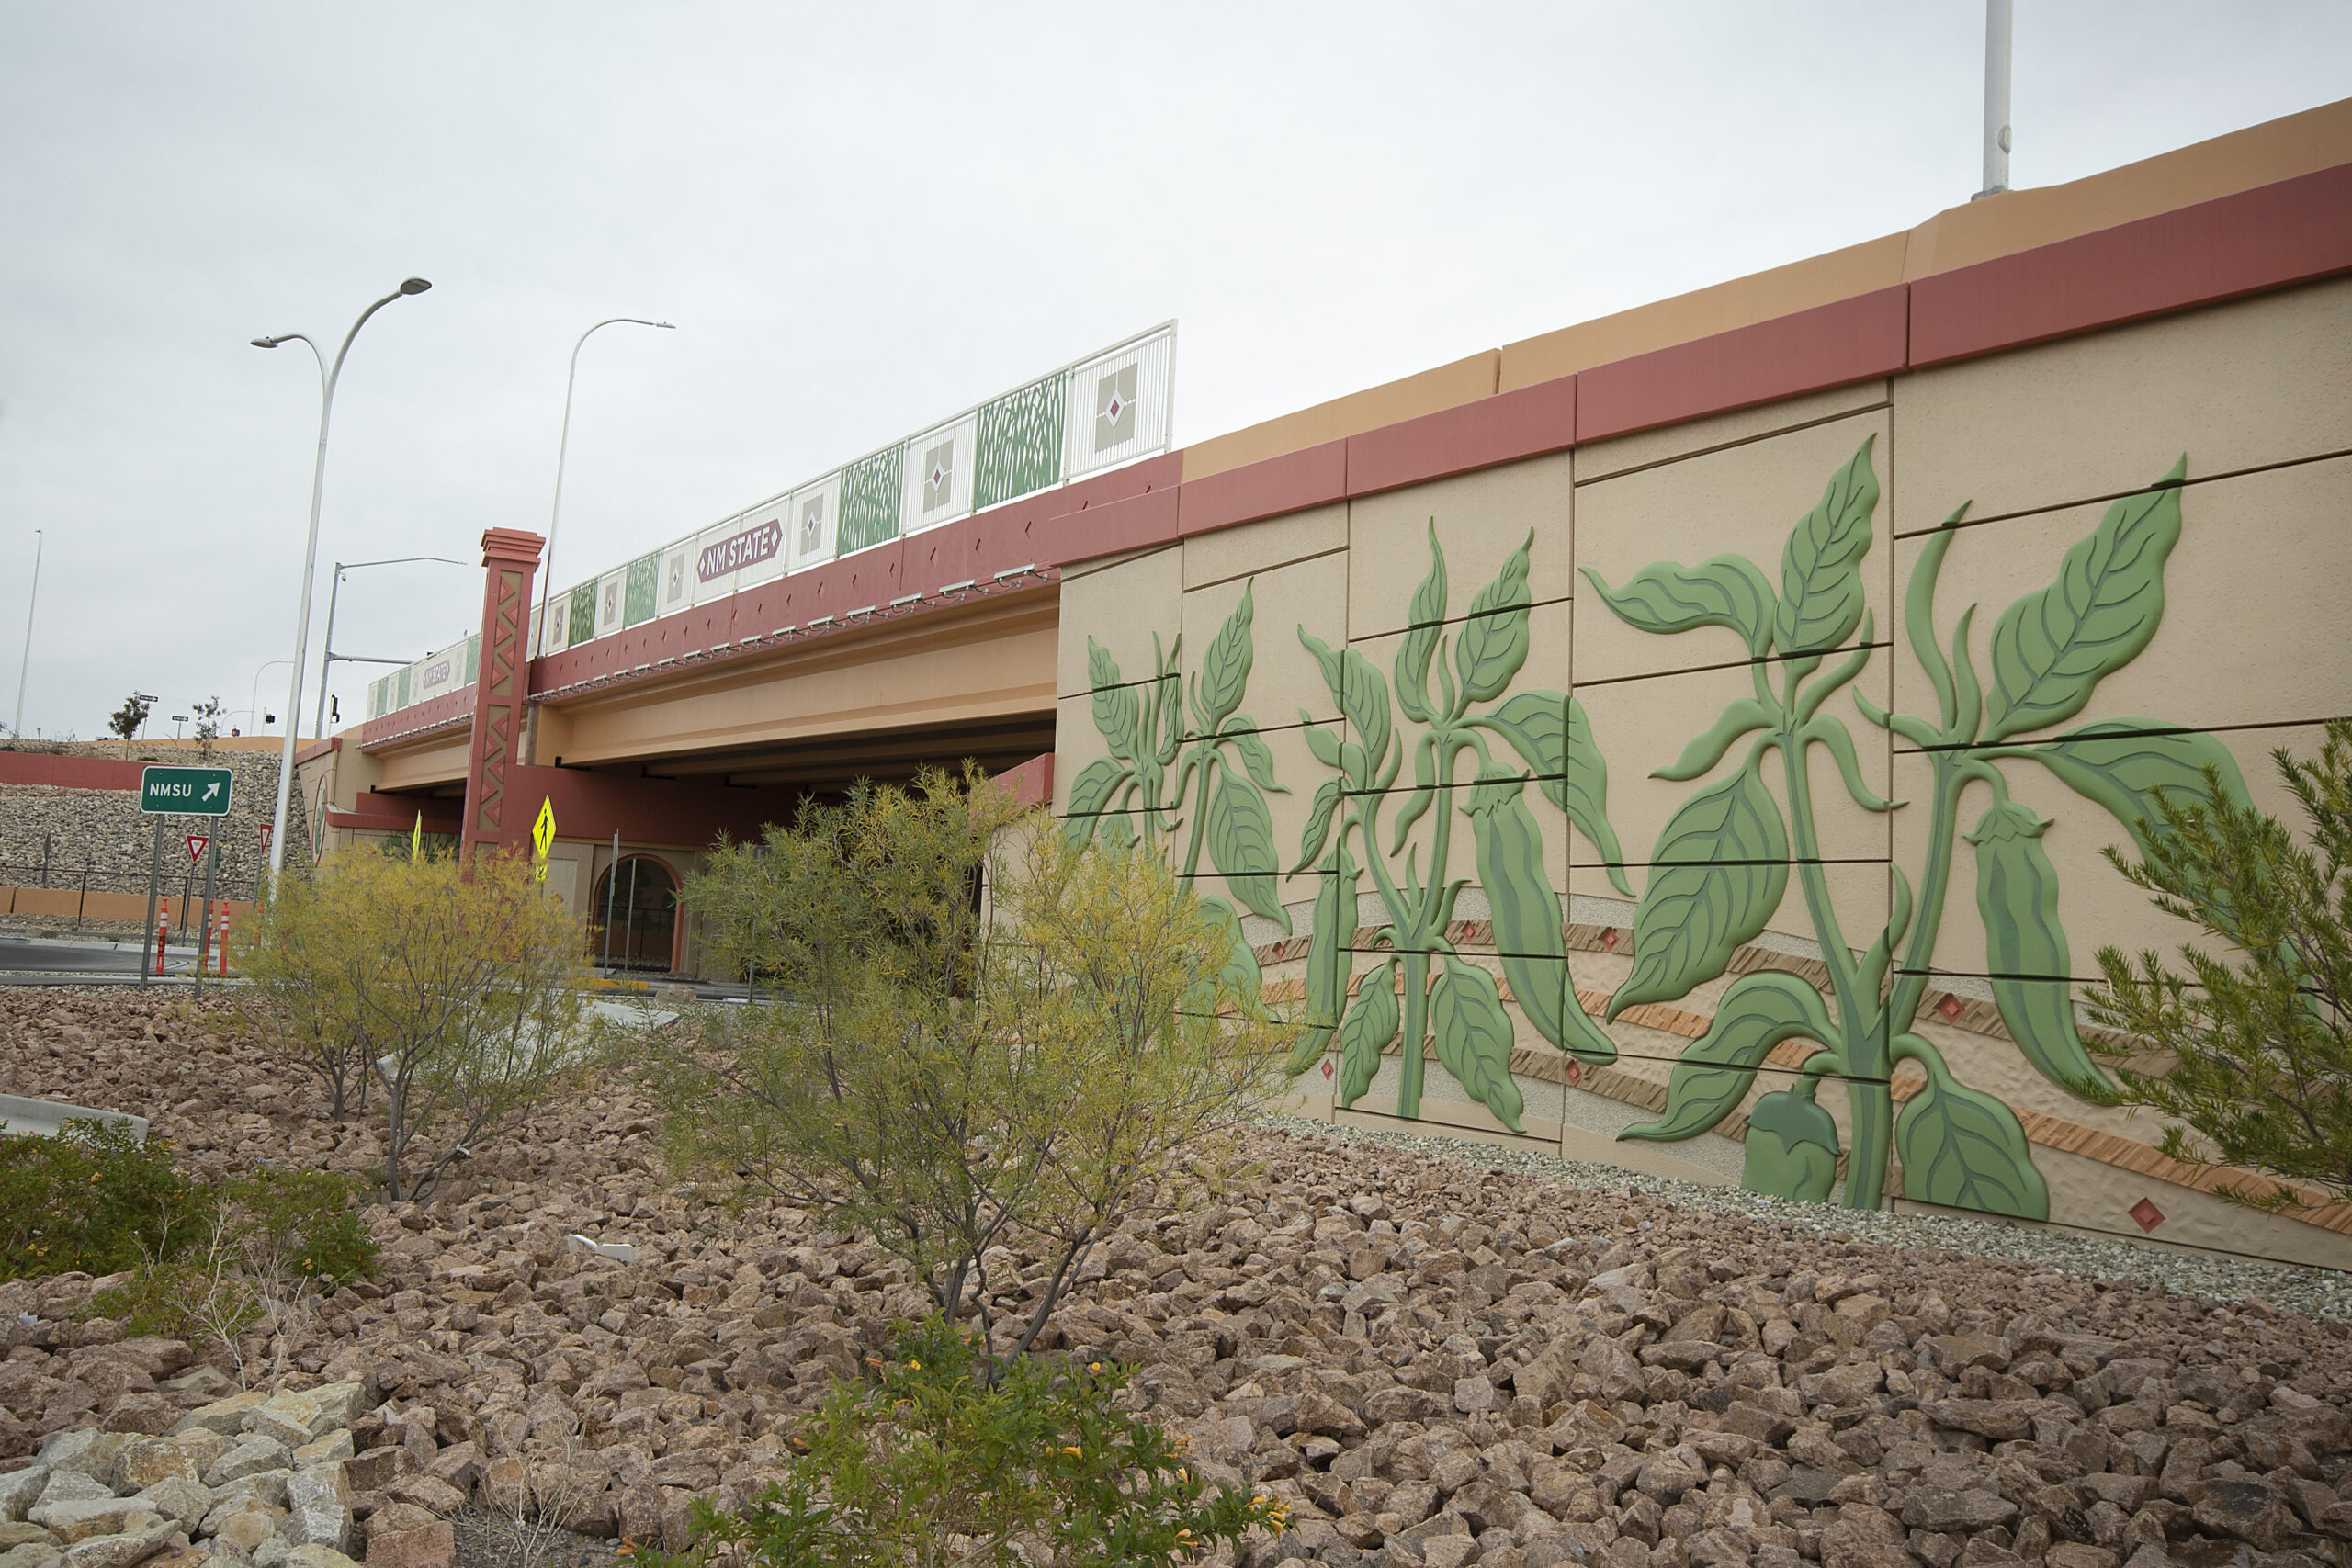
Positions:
{"x": 302, "y": 1225}
{"x": 929, "y": 1463}
{"x": 93, "y": 1198}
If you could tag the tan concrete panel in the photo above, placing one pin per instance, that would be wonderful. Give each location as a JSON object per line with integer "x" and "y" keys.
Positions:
{"x": 996, "y": 663}
{"x": 2254, "y": 617}
{"x": 1227, "y": 553}
{"x": 1744, "y": 500}
{"x": 1720, "y": 308}
{"x": 1480, "y": 519}
{"x": 1426, "y": 392}
{"x": 2236, "y": 385}
{"x": 1642, "y": 725}
{"x": 1120, "y": 606}
{"x": 1284, "y": 676}
{"x": 1647, "y": 448}
{"x": 443, "y": 762}
{"x": 2021, "y": 219}
{"x": 2096, "y": 906}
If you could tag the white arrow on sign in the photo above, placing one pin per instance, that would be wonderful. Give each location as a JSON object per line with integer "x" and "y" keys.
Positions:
{"x": 211, "y": 789}
{"x": 196, "y": 842}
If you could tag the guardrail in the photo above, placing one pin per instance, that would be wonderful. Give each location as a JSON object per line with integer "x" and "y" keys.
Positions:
{"x": 1108, "y": 408}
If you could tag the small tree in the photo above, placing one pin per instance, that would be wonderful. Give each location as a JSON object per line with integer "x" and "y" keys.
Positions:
{"x": 463, "y": 990}
{"x": 208, "y": 724}
{"x": 123, "y": 725}
{"x": 951, "y": 1075}
{"x": 2254, "y": 1048}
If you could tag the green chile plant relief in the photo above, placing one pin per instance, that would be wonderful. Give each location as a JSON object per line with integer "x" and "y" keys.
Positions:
{"x": 1423, "y": 990}
{"x": 1724, "y": 859}
{"x": 1220, "y": 761}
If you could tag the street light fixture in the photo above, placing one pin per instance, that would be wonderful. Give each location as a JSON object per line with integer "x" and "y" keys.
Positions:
{"x": 327, "y": 663}
{"x": 254, "y": 697}
{"x": 563, "y": 443}
{"x": 327, "y": 379}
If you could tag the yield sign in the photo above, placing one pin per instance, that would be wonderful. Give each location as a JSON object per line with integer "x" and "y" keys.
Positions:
{"x": 196, "y": 842}
{"x": 266, "y": 831}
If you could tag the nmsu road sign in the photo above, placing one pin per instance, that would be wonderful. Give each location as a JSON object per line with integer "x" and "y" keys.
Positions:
{"x": 184, "y": 791}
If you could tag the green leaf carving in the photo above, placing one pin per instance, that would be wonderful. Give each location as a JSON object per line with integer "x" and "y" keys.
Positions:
{"x": 1473, "y": 1034}
{"x": 1536, "y": 724}
{"x": 1225, "y": 670}
{"x": 1964, "y": 1149}
{"x": 2053, "y": 646}
{"x": 1357, "y": 687}
{"x": 2025, "y": 945}
{"x": 2118, "y": 764}
{"x": 1821, "y": 568}
{"x": 1727, "y": 590}
{"x": 1327, "y": 958}
{"x": 1241, "y": 844}
{"x": 1322, "y": 742}
{"x": 1745, "y": 716}
{"x": 1413, "y": 654}
{"x": 1791, "y": 1148}
{"x": 1526, "y": 913}
{"x": 1240, "y": 980}
{"x": 1584, "y": 795}
{"x": 1757, "y": 1012}
{"x": 1719, "y": 870}
{"x": 1494, "y": 640}
{"x": 1256, "y": 756}
{"x": 1116, "y": 713}
{"x": 1090, "y": 793}
{"x": 1370, "y": 1025}
{"x": 1318, "y": 821}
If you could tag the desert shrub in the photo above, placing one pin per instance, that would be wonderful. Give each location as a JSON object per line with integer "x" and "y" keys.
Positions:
{"x": 974, "y": 1053}
{"x": 267, "y": 1242}
{"x": 462, "y": 989}
{"x": 2252, "y": 1047}
{"x": 929, "y": 1461}
{"x": 93, "y": 1198}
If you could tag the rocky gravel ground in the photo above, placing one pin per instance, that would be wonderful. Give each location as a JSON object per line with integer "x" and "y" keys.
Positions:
{"x": 1439, "y": 1358}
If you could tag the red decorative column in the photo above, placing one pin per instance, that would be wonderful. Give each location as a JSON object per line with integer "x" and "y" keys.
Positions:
{"x": 511, "y": 559}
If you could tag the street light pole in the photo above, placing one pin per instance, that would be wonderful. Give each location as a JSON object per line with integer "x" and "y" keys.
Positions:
{"x": 328, "y": 654}
{"x": 327, "y": 379}
{"x": 563, "y": 443}
{"x": 254, "y": 697}
{"x": 30, "y": 605}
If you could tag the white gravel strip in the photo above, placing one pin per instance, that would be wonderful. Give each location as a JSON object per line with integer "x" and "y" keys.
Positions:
{"x": 2312, "y": 1291}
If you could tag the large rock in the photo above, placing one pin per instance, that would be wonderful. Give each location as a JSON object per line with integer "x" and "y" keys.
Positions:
{"x": 434, "y": 1546}
{"x": 146, "y": 1461}
{"x": 1967, "y": 1511}
{"x": 310, "y": 1554}
{"x": 2250, "y": 1511}
{"x": 250, "y": 1455}
{"x": 295, "y": 1418}
{"x": 98, "y": 1455}
{"x": 85, "y": 1518}
{"x": 142, "y": 1537}
{"x": 178, "y": 1498}
{"x": 20, "y": 1489}
{"x": 243, "y": 1526}
{"x": 318, "y": 1507}
{"x": 226, "y": 1416}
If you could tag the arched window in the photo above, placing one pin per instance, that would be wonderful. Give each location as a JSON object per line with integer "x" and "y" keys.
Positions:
{"x": 639, "y": 898}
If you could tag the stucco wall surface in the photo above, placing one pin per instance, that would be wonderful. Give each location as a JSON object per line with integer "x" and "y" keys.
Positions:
{"x": 1745, "y": 782}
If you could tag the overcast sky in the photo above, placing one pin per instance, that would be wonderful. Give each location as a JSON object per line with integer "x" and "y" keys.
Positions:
{"x": 865, "y": 217}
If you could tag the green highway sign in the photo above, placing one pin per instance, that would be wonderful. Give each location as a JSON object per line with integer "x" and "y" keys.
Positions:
{"x": 184, "y": 791}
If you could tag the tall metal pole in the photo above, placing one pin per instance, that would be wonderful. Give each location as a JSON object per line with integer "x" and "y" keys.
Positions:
{"x": 327, "y": 655}
{"x": 1996, "y": 99}
{"x": 327, "y": 379}
{"x": 326, "y": 651}
{"x": 562, "y": 446}
{"x": 30, "y": 605}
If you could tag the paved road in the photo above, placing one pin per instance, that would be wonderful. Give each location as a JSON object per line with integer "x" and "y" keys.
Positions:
{"x": 24, "y": 962}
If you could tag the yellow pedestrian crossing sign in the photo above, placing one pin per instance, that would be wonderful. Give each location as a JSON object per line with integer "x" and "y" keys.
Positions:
{"x": 542, "y": 836}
